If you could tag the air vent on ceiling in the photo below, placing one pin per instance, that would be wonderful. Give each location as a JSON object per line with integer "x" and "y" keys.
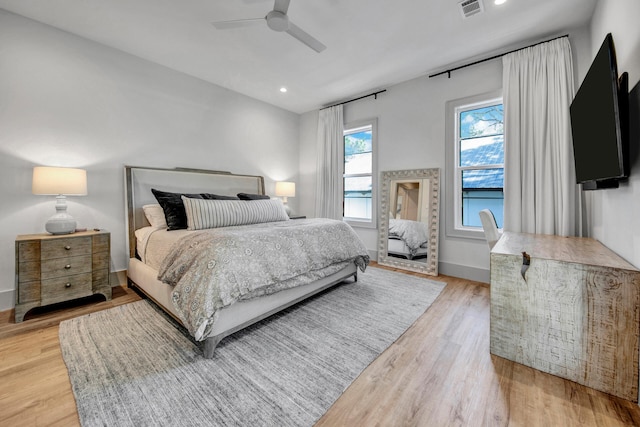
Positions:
{"x": 470, "y": 7}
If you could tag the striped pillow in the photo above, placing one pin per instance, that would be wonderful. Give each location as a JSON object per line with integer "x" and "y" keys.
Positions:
{"x": 203, "y": 213}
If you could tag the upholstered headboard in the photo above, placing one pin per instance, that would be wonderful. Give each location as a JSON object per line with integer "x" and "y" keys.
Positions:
{"x": 140, "y": 180}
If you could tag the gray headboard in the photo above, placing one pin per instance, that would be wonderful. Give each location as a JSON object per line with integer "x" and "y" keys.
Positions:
{"x": 140, "y": 180}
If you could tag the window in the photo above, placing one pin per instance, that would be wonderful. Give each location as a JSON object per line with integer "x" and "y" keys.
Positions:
{"x": 476, "y": 159}
{"x": 359, "y": 174}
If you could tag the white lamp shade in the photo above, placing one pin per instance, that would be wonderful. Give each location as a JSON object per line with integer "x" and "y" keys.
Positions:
{"x": 285, "y": 189}
{"x": 54, "y": 181}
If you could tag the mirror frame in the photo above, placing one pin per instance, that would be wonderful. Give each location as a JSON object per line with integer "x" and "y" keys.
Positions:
{"x": 433, "y": 206}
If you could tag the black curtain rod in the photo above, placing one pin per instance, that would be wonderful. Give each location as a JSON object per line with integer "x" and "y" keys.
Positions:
{"x": 374, "y": 94}
{"x": 448, "y": 72}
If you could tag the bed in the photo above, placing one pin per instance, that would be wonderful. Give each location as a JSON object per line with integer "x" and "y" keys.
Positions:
{"x": 165, "y": 265}
{"x": 408, "y": 239}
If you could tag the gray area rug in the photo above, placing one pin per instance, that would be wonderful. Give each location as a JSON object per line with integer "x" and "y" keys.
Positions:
{"x": 133, "y": 366}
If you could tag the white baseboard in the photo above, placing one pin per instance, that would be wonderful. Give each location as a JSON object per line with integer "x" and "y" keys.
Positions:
{"x": 118, "y": 278}
{"x": 7, "y": 299}
{"x": 455, "y": 270}
{"x": 464, "y": 272}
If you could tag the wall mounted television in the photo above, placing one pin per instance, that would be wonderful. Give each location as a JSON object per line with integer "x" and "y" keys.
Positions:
{"x": 599, "y": 123}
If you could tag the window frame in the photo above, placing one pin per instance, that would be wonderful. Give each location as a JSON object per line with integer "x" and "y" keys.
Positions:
{"x": 353, "y": 127}
{"x": 453, "y": 180}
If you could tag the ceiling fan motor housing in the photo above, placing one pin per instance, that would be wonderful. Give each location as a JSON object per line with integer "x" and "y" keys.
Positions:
{"x": 277, "y": 21}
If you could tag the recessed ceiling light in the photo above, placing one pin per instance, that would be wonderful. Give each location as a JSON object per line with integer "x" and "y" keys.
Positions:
{"x": 283, "y": 89}
{"x": 500, "y": 1}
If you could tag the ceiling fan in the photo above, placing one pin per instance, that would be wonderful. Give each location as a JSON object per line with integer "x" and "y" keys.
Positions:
{"x": 277, "y": 20}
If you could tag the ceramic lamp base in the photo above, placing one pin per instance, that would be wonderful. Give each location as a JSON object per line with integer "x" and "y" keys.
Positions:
{"x": 59, "y": 225}
{"x": 61, "y": 222}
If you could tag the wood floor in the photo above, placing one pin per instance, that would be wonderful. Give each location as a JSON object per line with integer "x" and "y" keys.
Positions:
{"x": 439, "y": 373}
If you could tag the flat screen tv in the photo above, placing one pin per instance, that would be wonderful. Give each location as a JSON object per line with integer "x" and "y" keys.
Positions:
{"x": 599, "y": 123}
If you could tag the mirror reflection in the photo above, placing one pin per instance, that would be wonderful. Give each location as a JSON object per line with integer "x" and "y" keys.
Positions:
{"x": 408, "y": 233}
{"x": 409, "y": 220}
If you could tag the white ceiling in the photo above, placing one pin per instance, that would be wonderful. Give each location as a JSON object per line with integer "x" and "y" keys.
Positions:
{"x": 371, "y": 44}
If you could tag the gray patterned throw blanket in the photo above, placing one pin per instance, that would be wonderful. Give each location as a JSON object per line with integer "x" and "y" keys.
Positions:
{"x": 211, "y": 269}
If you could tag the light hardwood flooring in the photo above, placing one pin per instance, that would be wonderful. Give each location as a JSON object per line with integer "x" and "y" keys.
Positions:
{"x": 439, "y": 373}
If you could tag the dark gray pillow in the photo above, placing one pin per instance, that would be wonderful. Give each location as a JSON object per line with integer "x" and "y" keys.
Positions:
{"x": 209, "y": 196}
{"x": 247, "y": 196}
{"x": 173, "y": 207}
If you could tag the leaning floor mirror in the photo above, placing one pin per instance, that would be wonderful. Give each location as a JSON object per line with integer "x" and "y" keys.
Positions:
{"x": 408, "y": 224}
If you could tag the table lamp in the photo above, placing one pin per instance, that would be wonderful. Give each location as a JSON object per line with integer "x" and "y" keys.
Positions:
{"x": 60, "y": 182}
{"x": 285, "y": 189}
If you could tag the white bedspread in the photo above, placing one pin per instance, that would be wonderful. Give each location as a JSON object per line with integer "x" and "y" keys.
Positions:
{"x": 154, "y": 244}
{"x": 211, "y": 269}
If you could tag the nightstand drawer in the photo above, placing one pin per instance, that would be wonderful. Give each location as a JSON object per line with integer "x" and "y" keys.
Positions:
{"x": 65, "y": 247}
{"x": 59, "y": 267}
{"x": 65, "y": 288}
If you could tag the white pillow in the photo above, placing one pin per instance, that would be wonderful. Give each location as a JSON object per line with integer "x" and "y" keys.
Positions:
{"x": 155, "y": 215}
{"x": 203, "y": 213}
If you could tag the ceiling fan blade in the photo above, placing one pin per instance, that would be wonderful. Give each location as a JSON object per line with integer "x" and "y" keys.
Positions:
{"x": 281, "y": 6}
{"x": 238, "y": 23}
{"x": 305, "y": 37}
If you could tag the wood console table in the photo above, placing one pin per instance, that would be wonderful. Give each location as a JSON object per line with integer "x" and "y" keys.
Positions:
{"x": 574, "y": 311}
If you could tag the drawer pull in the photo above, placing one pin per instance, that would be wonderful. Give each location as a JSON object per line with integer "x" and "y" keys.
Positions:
{"x": 68, "y": 247}
{"x": 68, "y": 266}
{"x": 68, "y": 285}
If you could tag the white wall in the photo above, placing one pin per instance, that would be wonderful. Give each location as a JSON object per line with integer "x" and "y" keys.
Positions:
{"x": 411, "y": 126}
{"x": 614, "y": 214}
{"x": 67, "y": 101}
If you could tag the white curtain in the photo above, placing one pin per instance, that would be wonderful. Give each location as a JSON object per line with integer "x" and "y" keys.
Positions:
{"x": 329, "y": 165}
{"x": 541, "y": 195}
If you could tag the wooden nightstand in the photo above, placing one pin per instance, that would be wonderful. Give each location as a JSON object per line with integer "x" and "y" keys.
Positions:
{"x": 52, "y": 269}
